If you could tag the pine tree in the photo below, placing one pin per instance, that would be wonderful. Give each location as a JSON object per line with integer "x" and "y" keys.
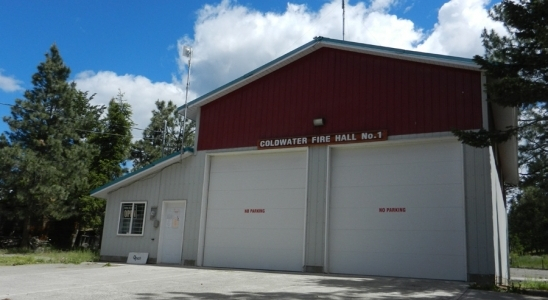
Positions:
{"x": 155, "y": 144}
{"x": 516, "y": 65}
{"x": 45, "y": 156}
{"x": 114, "y": 143}
{"x": 528, "y": 221}
{"x": 533, "y": 146}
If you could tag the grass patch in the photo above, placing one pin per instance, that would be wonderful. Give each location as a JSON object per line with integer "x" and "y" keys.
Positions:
{"x": 529, "y": 261}
{"x": 534, "y": 285}
{"x": 15, "y": 257}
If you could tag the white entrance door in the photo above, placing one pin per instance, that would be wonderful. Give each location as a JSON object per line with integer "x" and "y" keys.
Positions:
{"x": 398, "y": 210}
{"x": 171, "y": 232}
{"x": 256, "y": 211}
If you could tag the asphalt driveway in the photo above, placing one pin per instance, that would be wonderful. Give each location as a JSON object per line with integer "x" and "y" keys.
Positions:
{"x": 97, "y": 281}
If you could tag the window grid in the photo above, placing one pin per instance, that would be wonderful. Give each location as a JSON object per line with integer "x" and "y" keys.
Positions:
{"x": 132, "y": 218}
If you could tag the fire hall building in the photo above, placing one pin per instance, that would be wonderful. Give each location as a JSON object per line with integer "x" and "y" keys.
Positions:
{"x": 337, "y": 157}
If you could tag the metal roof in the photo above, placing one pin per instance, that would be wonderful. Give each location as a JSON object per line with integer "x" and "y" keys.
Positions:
{"x": 315, "y": 44}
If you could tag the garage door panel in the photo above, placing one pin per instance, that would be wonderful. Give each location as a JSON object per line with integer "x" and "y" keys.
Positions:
{"x": 227, "y": 238}
{"x": 238, "y": 219}
{"x": 265, "y": 258}
{"x": 287, "y": 198}
{"x": 407, "y": 174}
{"x": 390, "y": 241}
{"x": 382, "y": 264}
{"x": 382, "y": 155}
{"x": 254, "y": 162}
{"x": 256, "y": 179}
{"x": 270, "y": 235}
{"x": 412, "y": 219}
{"x": 441, "y": 195}
{"x": 427, "y": 240}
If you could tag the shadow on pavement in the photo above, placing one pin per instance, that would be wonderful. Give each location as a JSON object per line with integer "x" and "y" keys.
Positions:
{"x": 338, "y": 288}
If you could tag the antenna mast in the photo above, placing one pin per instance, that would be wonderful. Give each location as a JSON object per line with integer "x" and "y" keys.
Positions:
{"x": 343, "y": 17}
{"x": 187, "y": 52}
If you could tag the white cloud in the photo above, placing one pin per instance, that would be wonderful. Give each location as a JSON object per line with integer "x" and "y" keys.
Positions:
{"x": 139, "y": 91}
{"x": 381, "y": 5}
{"x": 231, "y": 39}
{"x": 9, "y": 83}
{"x": 460, "y": 23}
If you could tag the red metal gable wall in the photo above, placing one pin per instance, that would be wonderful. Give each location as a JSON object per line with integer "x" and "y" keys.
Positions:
{"x": 352, "y": 92}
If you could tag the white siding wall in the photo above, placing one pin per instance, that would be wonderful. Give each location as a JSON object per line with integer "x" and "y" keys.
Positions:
{"x": 179, "y": 181}
{"x": 500, "y": 225}
{"x": 192, "y": 182}
{"x": 116, "y": 245}
{"x": 479, "y": 214}
{"x": 315, "y": 219}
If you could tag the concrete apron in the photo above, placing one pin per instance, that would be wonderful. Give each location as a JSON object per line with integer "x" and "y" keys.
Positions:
{"x": 120, "y": 281}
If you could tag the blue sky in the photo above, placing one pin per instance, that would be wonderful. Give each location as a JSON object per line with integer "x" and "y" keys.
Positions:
{"x": 134, "y": 46}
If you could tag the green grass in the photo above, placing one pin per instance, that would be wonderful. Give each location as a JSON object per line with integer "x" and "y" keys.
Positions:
{"x": 522, "y": 287}
{"x": 529, "y": 261}
{"x": 534, "y": 285}
{"x": 15, "y": 257}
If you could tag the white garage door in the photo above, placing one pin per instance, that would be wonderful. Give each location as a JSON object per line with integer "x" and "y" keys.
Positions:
{"x": 256, "y": 210}
{"x": 398, "y": 211}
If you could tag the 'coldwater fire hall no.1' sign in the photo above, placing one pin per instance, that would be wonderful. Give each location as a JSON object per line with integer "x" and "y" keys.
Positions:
{"x": 340, "y": 138}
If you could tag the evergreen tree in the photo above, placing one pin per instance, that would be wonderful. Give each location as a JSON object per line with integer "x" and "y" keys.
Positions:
{"x": 516, "y": 65}
{"x": 45, "y": 156}
{"x": 533, "y": 155}
{"x": 114, "y": 143}
{"x": 155, "y": 144}
{"x": 528, "y": 221}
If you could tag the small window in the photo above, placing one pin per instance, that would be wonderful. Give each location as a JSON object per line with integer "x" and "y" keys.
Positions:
{"x": 132, "y": 218}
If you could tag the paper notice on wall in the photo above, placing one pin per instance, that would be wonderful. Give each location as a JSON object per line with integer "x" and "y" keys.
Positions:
{"x": 175, "y": 223}
{"x": 168, "y": 222}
